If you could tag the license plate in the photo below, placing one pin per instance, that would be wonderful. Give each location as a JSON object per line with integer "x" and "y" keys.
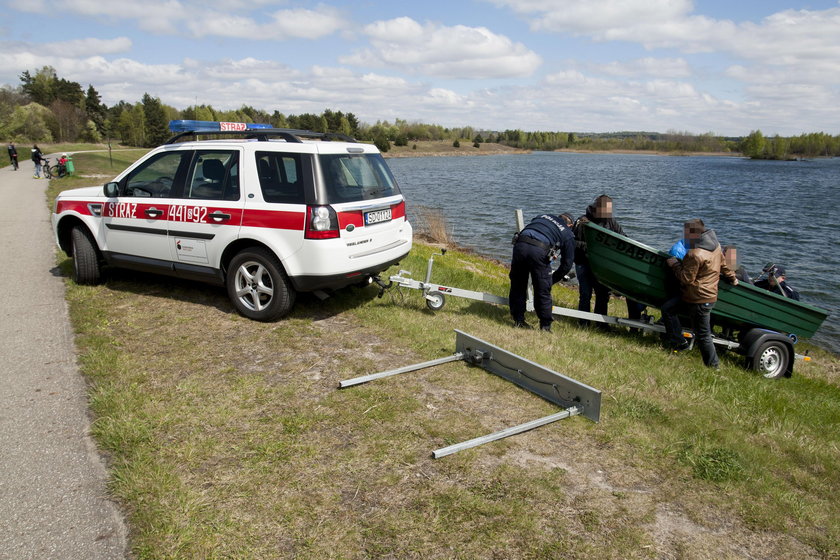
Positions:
{"x": 377, "y": 217}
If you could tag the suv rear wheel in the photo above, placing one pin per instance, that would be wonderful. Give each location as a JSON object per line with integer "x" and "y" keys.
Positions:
{"x": 258, "y": 286}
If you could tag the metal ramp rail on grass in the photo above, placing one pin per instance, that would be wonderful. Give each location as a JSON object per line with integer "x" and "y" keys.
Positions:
{"x": 574, "y": 397}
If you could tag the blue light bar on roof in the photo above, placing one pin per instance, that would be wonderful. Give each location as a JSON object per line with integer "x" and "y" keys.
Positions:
{"x": 213, "y": 126}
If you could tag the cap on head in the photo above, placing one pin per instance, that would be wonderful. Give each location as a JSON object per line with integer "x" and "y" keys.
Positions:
{"x": 567, "y": 218}
{"x": 774, "y": 269}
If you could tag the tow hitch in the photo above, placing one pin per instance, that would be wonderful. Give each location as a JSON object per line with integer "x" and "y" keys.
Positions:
{"x": 382, "y": 285}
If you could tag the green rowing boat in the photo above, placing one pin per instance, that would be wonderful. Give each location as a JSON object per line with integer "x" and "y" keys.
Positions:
{"x": 639, "y": 272}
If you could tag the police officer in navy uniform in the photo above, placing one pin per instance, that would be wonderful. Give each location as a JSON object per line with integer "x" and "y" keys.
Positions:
{"x": 545, "y": 237}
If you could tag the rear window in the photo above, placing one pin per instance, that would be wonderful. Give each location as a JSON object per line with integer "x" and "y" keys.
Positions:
{"x": 350, "y": 177}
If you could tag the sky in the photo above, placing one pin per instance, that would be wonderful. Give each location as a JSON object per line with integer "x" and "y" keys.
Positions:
{"x": 724, "y": 67}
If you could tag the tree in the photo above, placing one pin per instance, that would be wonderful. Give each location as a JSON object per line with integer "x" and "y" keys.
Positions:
{"x": 753, "y": 145}
{"x": 94, "y": 108}
{"x": 132, "y": 126}
{"x": 344, "y": 126}
{"x": 40, "y": 87}
{"x": 156, "y": 125}
{"x": 90, "y": 133}
{"x": 381, "y": 141}
{"x": 31, "y": 122}
{"x": 68, "y": 120}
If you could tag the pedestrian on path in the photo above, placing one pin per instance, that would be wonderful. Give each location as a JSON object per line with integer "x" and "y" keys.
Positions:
{"x": 36, "y": 159}
{"x": 13, "y": 155}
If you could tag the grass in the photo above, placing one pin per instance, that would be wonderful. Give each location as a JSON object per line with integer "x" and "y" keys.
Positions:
{"x": 229, "y": 438}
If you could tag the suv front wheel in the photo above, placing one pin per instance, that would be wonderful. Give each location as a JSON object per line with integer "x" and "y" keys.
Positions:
{"x": 85, "y": 258}
{"x": 258, "y": 286}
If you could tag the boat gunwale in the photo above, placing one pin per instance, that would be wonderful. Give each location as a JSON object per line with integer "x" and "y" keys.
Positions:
{"x": 748, "y": 286}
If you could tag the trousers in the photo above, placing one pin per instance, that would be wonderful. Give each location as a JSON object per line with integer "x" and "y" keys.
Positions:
{"x": 700, "y": 315}
{"x": 530, "y": 261}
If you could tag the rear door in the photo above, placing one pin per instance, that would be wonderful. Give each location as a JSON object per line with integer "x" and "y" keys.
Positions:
{"x": 207, "y": 218}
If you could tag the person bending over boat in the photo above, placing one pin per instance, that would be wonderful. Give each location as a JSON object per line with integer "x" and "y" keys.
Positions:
{"x": 773, "y": 279}
{"x": 698, "y": 274}
{"x": 545, "y": 236}
{"x": 599, "y": 212}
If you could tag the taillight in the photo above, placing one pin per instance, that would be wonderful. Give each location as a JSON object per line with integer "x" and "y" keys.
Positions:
{"x": 398, "y": 210}
{"x": 321, "y": 223}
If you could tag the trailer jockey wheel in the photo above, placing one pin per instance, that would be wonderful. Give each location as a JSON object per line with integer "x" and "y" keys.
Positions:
{"x": 435, "y": 301}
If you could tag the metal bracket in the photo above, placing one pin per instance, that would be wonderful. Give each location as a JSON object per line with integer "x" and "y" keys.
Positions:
{"x": 575, "y": 397}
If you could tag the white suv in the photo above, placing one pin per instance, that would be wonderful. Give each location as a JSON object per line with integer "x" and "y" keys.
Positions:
{"x": 267, "y": 214}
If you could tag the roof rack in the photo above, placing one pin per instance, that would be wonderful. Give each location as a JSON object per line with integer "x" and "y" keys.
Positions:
{"x": 263, "y": 135}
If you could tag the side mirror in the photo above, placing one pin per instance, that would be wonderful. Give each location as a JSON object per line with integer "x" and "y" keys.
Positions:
{"x": 112, "y": 190}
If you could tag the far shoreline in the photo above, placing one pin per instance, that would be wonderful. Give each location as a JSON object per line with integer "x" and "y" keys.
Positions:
{"x": 441, "y": 148}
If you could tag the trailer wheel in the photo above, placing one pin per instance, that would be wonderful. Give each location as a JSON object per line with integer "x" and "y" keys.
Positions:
{"x": 435, "y": 301}
{"x": 771, "y": 359}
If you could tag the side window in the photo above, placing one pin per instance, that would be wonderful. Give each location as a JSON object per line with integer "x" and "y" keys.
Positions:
{"x": 156, "y": 176}
{"x": 214, "y": 175}
{"x": 280, "y": 176}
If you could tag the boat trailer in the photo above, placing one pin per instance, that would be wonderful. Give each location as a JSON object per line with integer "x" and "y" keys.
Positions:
{"x": 574, "y": 397}
{"x": 768, "y": 352}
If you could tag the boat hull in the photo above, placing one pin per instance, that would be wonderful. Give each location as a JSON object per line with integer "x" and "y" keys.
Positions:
{"x": 640, "y": 273}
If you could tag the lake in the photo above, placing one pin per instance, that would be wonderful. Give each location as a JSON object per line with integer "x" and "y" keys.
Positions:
{"x": 773, "y": 211}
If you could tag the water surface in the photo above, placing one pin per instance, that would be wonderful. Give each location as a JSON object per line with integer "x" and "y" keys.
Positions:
{"x": 774, "y": 211}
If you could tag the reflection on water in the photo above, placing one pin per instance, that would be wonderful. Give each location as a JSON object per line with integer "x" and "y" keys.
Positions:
{"x": 773, "y": 211}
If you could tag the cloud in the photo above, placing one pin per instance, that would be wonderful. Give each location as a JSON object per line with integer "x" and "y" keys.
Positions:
{"x": 237, "y": 19}
{"x": 443, "y": 51}
{"x": 648, "y": 66}
{"x": 789, "y": 37}
{"x": 593, "y": 18}
{"x": 80, "y": 48}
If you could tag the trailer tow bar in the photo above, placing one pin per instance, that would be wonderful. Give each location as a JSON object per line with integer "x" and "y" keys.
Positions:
{"x": 574, "y": 397}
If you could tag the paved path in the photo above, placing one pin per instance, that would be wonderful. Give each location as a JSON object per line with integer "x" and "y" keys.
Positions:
{"x": 53, "y": 502}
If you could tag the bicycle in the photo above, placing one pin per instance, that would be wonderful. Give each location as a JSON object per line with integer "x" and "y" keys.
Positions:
{"x": 45, "y": 168}
{"x": 58, "y": 170}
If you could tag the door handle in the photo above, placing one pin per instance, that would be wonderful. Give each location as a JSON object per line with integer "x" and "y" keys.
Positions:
{"x": 218, "y": 216}
{"x": 153, "y": 212}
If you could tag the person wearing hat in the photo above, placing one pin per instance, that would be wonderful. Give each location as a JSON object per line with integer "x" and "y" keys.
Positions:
{"x": 773, "y": 279}
{"x": 599, "y": 212}
{"x": 547, "y": 236}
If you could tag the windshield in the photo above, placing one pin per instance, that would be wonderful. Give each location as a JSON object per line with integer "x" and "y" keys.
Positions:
{"x": 353, "y": 177}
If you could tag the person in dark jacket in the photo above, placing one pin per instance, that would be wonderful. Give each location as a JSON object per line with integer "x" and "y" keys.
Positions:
{"x": 599, "y": 212}
{"x": 36, "y": 159}
{"x": 773, "y": 279}
{"x": 13, "y": 155}
{"x": 546, "y": 236}
{"x": 698, "y": 274}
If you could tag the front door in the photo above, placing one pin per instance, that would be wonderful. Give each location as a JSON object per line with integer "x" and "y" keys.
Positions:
{"x": 136, "y": 221}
